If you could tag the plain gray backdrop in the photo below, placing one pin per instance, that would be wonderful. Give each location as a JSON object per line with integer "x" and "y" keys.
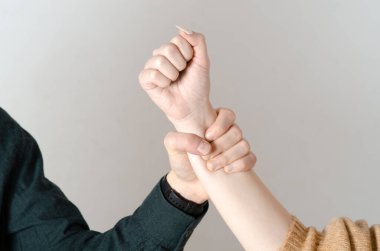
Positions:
{"x": 302, "y": 76}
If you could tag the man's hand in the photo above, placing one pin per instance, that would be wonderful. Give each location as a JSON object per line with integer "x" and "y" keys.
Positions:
{"x": 177, "y": 79}
{"x": 229, "y": 151}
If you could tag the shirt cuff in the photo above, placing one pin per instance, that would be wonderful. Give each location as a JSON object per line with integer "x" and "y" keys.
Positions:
{"x": 167, "y": 224}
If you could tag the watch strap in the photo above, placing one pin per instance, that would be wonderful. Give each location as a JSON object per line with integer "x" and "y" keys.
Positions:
{"x": 178, "y": 201}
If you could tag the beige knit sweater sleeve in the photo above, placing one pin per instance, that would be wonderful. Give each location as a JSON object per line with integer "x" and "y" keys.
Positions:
{"x": 340, "y": 234}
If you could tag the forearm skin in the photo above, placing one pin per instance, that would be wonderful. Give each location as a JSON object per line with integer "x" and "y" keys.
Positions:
{"x": 253, "y": 214}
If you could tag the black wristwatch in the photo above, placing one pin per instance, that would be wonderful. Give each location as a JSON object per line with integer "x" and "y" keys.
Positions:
{"x": 177, "y": 200}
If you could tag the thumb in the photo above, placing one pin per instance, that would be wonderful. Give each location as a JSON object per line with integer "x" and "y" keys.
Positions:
{"x": 198, "y": 42}
{"x": 176, "y": 142}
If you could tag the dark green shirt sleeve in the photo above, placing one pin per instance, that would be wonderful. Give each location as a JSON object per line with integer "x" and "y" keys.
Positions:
{"x": 36, "y": 215}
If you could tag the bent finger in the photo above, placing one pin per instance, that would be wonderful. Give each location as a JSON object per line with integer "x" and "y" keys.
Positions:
{"x": 176, "y": 143}
{"x": 152, "y": 78}
{"x": 242, "y": 165}
{"x": 224, "y": 120}
{"x": 184, "y": 47}
{"x": 236, "y": 152}
{"x": 198, "y": 42}
{"x": 226, "y": 141}
{"x": 162, "y": 64}
{"x": 172, "y": 53}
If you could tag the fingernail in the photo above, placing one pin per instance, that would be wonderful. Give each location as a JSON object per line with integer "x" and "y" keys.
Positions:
{"x": 211, "y": 165}
{"x": 188, "y": 32}
{"x": 208, "y": 135}
{"x": 204, "y": 148}
{"x": 229, "y": 168}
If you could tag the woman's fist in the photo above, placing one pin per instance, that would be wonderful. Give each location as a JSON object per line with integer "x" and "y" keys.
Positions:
{"x": 176, "y": 78}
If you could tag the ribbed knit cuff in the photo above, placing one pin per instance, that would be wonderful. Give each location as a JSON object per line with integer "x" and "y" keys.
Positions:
{"x": 296, "y": 236}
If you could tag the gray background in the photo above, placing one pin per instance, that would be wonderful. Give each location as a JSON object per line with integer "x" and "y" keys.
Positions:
{"x": 303, "y": 78}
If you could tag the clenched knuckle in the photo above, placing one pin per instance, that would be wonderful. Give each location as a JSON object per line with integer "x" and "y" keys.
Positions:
{"x": 231, "y": 115}
{"x": 176, "y": 40}
{"x": 236, "y": 132}
{"x": 159, "y": 61}
{"x": 245, "y": 145}
{"x": 154, "y": 75}
{"x": 169, "y": 49}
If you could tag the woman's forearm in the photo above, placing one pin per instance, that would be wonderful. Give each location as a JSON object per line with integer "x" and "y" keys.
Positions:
{"x": 253, "y": 214}
{"x": 177, "y": 78}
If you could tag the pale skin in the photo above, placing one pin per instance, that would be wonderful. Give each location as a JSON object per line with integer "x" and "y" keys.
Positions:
{"x": 177, "y": 79}
{"x": 228, "y": 138}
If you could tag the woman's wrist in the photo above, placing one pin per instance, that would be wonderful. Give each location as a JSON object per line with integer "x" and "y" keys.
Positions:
{"x": 197, "y": 122}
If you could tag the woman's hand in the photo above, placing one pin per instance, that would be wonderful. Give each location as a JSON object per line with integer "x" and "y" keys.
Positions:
{"x": 177, "y": 79}
{"x": 227, "y": 150}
